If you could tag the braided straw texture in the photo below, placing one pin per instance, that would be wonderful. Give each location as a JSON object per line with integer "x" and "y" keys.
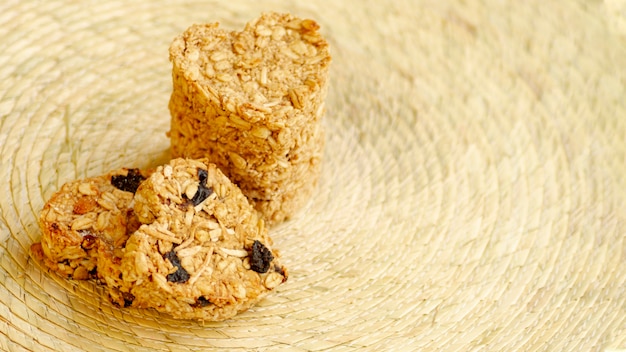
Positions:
{"x": 472, "y": 194}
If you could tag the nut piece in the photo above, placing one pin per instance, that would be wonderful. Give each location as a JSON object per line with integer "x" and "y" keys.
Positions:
{"x": 273, "y": 280}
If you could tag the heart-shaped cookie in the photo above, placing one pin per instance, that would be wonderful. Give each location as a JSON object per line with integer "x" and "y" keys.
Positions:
{"x": 85, "y": 224}
{"x": 201, "y": 252}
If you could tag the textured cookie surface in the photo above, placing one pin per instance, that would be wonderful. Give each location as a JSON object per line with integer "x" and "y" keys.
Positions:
{"x": 201, "y": 252}
{"x": 252, "y": 102}
{"x": 87, "y": 222}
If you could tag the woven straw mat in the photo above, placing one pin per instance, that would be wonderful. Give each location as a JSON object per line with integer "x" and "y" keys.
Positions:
{"x": 472, "y": 196}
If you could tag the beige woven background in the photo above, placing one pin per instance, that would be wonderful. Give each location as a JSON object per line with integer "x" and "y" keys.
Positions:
{"x": 472, "y": 196}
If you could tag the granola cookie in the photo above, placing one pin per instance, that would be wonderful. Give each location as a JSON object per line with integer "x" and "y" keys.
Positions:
{"x": 252, "y": 102}
{"x": 201, "y": 252}
{"x": 87, "y": 222}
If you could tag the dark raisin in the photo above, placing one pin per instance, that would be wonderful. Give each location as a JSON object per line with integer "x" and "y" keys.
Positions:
{"x": 203, "y": 175}
{"x": 203, "y": 193}
{"x": 128, "y": 183}
{"x": 180, "y": 275}
{"x": 88, "y": 241}
{"x": 202, "y": 302}
{"x": 128, "y": 299}
{"x": 260, "y": 257}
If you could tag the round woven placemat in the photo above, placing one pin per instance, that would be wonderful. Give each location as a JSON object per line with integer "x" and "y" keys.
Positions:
{"x": 473, "y": 187}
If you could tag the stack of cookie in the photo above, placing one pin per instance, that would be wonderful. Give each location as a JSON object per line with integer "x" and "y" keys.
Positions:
{"x": 190, "y": 238}
{"x": 252, "y": 102}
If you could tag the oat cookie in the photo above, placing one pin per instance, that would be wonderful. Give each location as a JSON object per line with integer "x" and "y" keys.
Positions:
{"x": 87, "y": 222}
{"x": 252, "y": 102}
{"x": 202, "y": 252}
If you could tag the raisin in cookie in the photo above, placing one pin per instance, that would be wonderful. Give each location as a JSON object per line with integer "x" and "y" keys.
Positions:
{"x": 252, "y": 102}
{"x": 201, "y": 252}
{"x": 87, "y": 222}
